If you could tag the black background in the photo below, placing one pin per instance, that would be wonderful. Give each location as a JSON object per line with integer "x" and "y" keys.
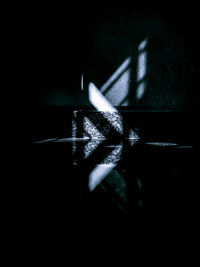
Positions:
{"x": 59, "y": 48}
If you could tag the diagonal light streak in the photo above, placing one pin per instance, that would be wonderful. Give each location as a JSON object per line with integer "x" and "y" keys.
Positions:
{"x": 116, "y": 74}
{"x": 98, "y": 100}
{"x": 120, "y": 89}
{"x": 120, "y": 83}
{"x": 141, "y": 69}
{"x": 98, "y": 174}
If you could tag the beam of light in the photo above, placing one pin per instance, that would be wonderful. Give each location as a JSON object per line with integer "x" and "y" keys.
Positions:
{"x": 184, "y": 146}
{"x": 114, "y": 96}
{"x": 120, "y": 83}
{"x": 141, "y": 69}
{"x": 119, "y": 90}
{"x": 102, "y": 104}
{"x": 95, "y": 136}
{"x": 62, "y": 140}
{"x": 98, "y": 100}
{"x": 69, "y": 139}
{"x": 45, "y": 141}
{"x": 161, "y": 144}
{"x": 82, "y": 81}
{"x": 116, "y": 74}
{"x": 98, "y": 174}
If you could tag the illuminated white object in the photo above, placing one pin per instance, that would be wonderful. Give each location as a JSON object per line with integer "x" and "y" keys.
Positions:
{"x": 98, "y": 100}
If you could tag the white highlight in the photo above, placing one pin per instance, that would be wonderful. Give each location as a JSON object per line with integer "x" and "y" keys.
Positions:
{"x": 98, "y": 100}
{"x": 82, "y": 82}
{"x": 161, "y": 144}
{"x": 92, "y": 130}
{"x": 98, "y": 174}
{"x": 65, "y": 140}
{"x": 74, "y": 131}
{"x": 115, "y": 75}
{"x": 141, "y": 71}
{"x": 115, "y": 155}
{"x": 133, "y": 137}
{"x": 95, "y": 135}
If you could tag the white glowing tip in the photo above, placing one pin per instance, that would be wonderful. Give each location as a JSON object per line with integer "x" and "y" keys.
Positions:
{"x": 98, "y": 100}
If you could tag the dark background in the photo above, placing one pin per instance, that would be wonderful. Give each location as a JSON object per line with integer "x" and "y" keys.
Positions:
{"x": 66, "y": 42}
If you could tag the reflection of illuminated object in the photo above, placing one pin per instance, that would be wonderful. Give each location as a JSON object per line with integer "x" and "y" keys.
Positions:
{"x": 94, "y": 130}
{"x": 161, "y": 144}
{"x": 95, "y": 137}
{"x": 102, "y": 170}
{"x": 141, "y": 69}
{"x": 113, "y": 93}
{"x": 115, "y": 155}
{"x": 98, "y": 174}
{"x": 98, "y": 100}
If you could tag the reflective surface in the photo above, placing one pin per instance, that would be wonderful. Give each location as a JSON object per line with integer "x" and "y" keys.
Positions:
{"x": 157, "y": 173}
